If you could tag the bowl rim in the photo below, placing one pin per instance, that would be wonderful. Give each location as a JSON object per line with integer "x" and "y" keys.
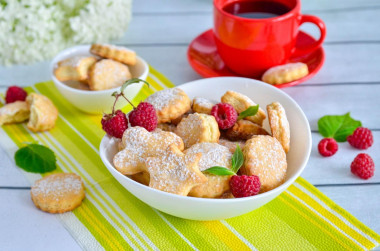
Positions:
{"x": 72, "y": 51}
{"x": 274, "y": 191}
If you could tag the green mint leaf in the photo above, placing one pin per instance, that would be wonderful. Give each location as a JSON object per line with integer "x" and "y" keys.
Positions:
{"x": 237, "y": 159}
{"x": 218, "y": 170}
{"x": 337, "y": 126}
{"x": 250, "y": 111}
{"x": 132, "y": 81}
{"x": 36, "y": 158}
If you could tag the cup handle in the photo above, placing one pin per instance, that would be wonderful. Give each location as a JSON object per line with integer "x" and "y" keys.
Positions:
{"x": 322, "y": 28}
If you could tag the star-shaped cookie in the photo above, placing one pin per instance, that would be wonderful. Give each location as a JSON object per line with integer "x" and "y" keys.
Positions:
{"x": 174, "y": 171}
{"x": 138, "y": 144}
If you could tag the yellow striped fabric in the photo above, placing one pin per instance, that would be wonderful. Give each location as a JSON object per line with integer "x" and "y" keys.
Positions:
{"x": 110, "y": 218}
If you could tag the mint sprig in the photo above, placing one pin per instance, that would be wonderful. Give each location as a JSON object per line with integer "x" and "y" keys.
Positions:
{"x": 237, "y": 161}
{"x": 337, "y": 126}
{"x": 250, "y": 111}
{"x": 36, "y": 158}
{"x": 219, "y": 170}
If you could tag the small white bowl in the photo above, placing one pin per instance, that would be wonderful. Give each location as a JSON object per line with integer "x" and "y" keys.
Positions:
{"x": 216, "y": 209}
{"x": 96, "y": 102}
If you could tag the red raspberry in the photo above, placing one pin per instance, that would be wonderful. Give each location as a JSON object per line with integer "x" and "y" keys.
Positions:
{"x": 363, "y": 166}
{"x": 225, "y": 114}
{"x": 15, "y": 93}
{"x": 327, "y": 147}
{"x": 244, "y": 186}
{"x": 115, "y": 124}
{"x": 362, "y": 138}
{"x": 145, "y": 116}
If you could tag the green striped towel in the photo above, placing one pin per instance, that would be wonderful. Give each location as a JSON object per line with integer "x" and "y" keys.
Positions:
{"x": 301, "y": 218}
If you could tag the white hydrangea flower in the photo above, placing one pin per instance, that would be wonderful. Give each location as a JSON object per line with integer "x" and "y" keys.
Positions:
{"x": 34, "y": 30}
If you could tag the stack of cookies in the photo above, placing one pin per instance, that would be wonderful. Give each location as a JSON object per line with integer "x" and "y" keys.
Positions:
{"x": 189, "y": 139}
{"x": 107, "y": 69}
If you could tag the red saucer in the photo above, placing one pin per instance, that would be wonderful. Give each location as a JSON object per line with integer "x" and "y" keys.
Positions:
{"x": 204, "y": 58}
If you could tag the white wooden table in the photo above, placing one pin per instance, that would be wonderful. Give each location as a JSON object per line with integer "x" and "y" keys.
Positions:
{"x": 160, "y": 32}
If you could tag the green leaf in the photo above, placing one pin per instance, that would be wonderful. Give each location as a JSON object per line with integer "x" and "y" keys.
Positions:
{"x": 337, "y": 126}
{"x": 250, "y": 111}
{"x": 218, "y": 170}
{"x": 237, "y": 159}
{"x": 36, "y": 158}
{"x": 132, "y": 81}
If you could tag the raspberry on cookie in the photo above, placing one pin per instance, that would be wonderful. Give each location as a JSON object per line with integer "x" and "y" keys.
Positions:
{"x": 241, "y": 103}
{"x": 265, "y": 157}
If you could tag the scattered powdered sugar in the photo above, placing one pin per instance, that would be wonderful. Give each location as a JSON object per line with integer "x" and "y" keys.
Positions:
{"x": 203, "y": 102}
{"x": 58, "y": 186}
{"x": 189, "y": 129}
{"x": 164, "y": 98}
{"x": 73, "y": 61}
{"x": 139, "y": 144}
{"x": 266, "y": 159}
{"x": 171, "y": 171}
{"x": 112, "y": 69}
{"x": 213, "y": 154}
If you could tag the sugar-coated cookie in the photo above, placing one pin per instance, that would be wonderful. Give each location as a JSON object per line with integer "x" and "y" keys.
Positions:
{"x": 138, "y": 144}
{"x": 285, "y": 73}
{"x": 74, "y": 68}
{"x": 241, "y": 103}
{"x": 244, "y": 130}
{"x": 202, "y": 105}
{"x": 213, "y": 154}
{"x": 117, "y": 53}
{"x": 231, "y": 145}
{"x": 197, "y": 128}
{"x": 107, "y": 74}
{"x": 265, "y": 157}
{"x": 58, "y": 193}
{"x": 43, "y": 113}
{"x": 15, "y": 112}
{"x": 279, "y": 124}
{"x": 169, "y": 104}
{"x": 175, "y": 172}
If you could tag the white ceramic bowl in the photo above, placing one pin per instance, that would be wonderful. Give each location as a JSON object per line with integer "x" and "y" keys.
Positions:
{"x": 215, "y": 209}
{"x": 96, "y": 102}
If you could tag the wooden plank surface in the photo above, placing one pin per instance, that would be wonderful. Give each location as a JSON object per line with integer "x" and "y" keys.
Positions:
{"x": 160, "y": 32}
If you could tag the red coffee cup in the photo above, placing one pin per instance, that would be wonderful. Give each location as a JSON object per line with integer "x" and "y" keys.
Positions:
{"x": 249, "y": 46}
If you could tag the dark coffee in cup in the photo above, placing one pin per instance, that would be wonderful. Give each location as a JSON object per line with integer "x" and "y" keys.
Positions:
{"x": 256, "y": 9}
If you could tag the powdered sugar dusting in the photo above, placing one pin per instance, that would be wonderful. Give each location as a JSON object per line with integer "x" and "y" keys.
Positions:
{"x": 266, "y": 158}
{"x": 139, "y": 144}
{"x": 73, "y": 61}
{"x": 58, "y": 186}
{"x": 213, "y": 154}
{"x": 164, "y": 98}
{"x": 171, "y": 173}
